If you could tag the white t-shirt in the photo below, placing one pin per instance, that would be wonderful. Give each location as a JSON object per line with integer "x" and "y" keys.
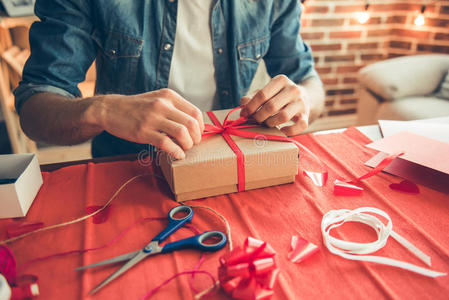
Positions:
{"x": 192, "y": 71}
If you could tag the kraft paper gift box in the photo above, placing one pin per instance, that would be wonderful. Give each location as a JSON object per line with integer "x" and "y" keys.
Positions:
{"x": 20, "y": 181}
{"x": 210, "y": 168}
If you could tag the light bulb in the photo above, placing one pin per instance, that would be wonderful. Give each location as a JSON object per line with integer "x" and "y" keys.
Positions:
{"x": 363, "y": 17}
{"x": 420, "y": 20}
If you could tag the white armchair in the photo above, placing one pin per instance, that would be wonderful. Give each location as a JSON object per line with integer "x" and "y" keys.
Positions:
{"x": 402, "y": 88}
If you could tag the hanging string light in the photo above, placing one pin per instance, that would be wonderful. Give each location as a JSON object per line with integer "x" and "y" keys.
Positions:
{"x": 302, "y": 4}
{"x": 420, "y": 19}
{"x": 364, "y": 16}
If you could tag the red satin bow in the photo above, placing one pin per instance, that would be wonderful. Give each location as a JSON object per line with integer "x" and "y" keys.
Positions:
{"x": 249, "y": 272}
{"x": 234, "y": 127}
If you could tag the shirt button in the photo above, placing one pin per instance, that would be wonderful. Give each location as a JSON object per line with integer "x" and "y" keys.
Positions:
{"x": 225, "y": 93}
{"x": 167, "y": 47}
{"x": 258, "y": 56}
{"x": 220, "y": 50}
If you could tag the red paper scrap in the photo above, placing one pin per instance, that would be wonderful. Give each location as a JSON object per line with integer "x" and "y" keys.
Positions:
{"x": 319, "y": 179}
{"x": 342, "y": 188}
{"x": 301, "y": 249}
{"x": 405, "y": 186}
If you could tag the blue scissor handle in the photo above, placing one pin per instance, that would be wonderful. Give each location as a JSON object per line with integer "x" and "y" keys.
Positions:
{"x": 174, "y": 224}
{"x": 197, "y": 242}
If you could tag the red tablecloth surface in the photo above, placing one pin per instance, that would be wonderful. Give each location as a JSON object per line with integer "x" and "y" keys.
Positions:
{"x": 271, "y": 214}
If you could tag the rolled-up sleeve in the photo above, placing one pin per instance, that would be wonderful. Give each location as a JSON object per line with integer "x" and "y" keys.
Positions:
{"x": 61, "y": 50}
{"x": 288, "y": 53}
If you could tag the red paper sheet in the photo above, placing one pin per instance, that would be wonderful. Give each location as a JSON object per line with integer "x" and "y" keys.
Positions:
{"x": 271, "y": 214}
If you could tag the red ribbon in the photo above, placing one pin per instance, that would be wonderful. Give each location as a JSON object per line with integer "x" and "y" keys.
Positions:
{"x": 349, "y": 187}
{"x": 235, "y": 127}
{"x": 249, "y": 272}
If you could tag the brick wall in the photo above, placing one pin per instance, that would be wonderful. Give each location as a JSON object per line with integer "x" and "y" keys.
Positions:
{"x": 342, "y": 45}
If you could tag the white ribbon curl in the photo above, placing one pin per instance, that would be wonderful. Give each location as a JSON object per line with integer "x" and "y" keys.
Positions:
{"x": 352, "y": 250}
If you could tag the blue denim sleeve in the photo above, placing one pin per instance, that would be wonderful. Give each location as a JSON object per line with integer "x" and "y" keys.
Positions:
{"x": 288, "y": 53}
{"x": 61, "y": 50}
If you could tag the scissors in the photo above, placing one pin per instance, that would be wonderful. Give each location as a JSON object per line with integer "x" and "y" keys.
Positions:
{"x": 153, "y": 248}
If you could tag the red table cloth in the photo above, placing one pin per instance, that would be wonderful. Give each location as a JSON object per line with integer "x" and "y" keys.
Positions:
{"x": 271, "y": 214}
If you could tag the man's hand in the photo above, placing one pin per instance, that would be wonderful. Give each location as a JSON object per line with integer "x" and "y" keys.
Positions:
{"x": 281, "y": 100}
{"x": 161, "y": 118}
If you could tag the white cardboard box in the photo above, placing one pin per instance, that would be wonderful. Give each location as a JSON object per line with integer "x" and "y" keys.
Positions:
{"x": 16, "y": 198}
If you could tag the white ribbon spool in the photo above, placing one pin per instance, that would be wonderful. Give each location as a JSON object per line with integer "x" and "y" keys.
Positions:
{"x": 352, "y": 250}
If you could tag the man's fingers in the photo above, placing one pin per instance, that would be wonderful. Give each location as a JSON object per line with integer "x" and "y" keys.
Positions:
{"x": 274, "y": 105}
{"x": 301, "y": 124}
{"x": 284, "y": 115}
{"x": 244, "y": 100}
{"x": 165, "y": 143}
{"x": 188, "y": 121}
{"x": 178, "y": 132}
{"x": 270, "y": 90}
{"x": 184, "y": 105}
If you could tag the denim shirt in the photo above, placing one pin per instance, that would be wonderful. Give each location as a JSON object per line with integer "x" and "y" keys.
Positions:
{"x": 132, "y": 42}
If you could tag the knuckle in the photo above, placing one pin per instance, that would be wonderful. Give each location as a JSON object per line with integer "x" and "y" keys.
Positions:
{"x": 165, "y": 92}
{"x": 283, "y": 117}
{"x": 262, "y": 95}
{"x": 158, "y": 104}
{"x": 163, "y": 142}
{"x": 282, "y": 78}
{"x": 258, "y": 117}
{"x": 196, "y": 113}
{"x": 180, "y": 131}
{"x": 271, "y": 106}
{"x": 295, "y": 90}
{"x": 191, "y": 124}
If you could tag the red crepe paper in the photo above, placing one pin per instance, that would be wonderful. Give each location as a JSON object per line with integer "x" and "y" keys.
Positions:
{"x": 22, "y": 228}
{"x": 249, "y": 272}
{"x": 234, "y": 127}
{"x": 117, "y": 238}
{"x": 405, "y": 186}
{"x": 342, "y": 188}
{"x": 102, "y": 216}
{"x": 301, "y": 249}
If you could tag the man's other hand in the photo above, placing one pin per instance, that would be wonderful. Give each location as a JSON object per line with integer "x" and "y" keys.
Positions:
{"x": 281, "y": 100}
{"x": 161, "y": 118}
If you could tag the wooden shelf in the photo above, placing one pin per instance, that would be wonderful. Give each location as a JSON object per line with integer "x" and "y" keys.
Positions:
{"x": 11, "y": 22}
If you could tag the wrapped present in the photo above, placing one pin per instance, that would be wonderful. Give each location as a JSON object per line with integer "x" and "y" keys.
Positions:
{"x": 232, "y": 156}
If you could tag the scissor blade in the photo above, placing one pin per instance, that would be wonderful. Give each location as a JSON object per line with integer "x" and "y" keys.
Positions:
{"x": 141, "y": 255}
{"x": 123, "y": 257}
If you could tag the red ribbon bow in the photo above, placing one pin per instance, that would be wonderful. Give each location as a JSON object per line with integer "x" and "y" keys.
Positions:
{"x": 234, "y": 127}
{"x": 23, "y": 287}
{"x": 249, "y": 272}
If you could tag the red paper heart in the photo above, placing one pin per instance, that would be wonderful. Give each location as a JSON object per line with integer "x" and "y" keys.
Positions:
{"x": 102, "y": 216}
{"x": 405, "y": 186}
